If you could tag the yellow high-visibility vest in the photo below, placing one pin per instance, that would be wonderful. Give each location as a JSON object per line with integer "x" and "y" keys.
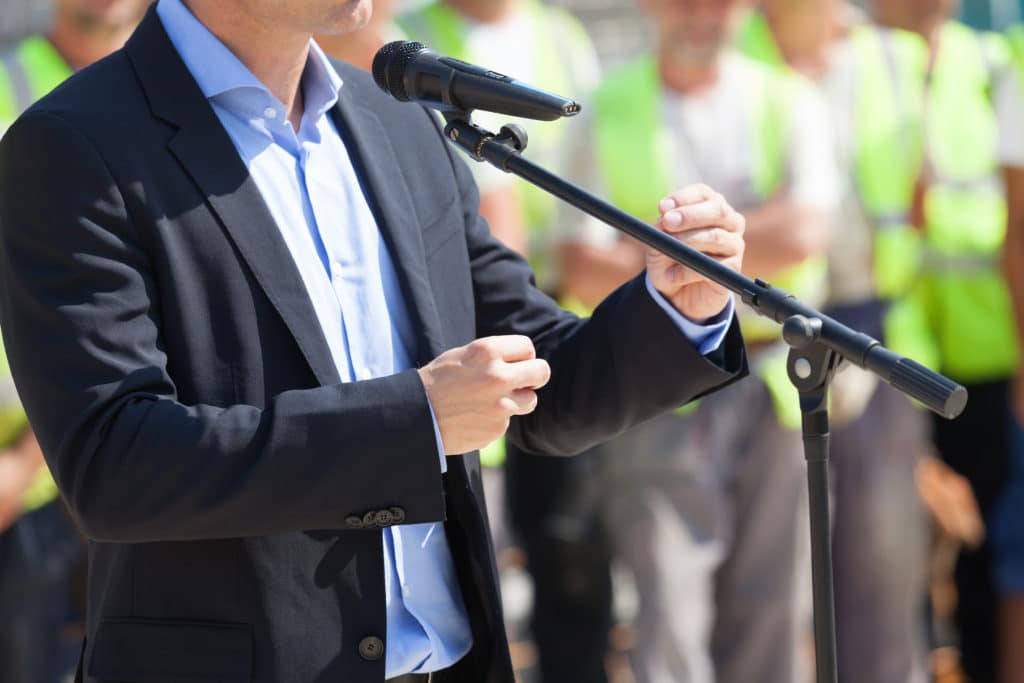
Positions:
{"x": 963, "y": 291}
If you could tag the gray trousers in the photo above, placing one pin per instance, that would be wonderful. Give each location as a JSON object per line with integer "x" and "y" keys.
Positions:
{"x": 709, "y": 514}
{"x": 880, "y": 542}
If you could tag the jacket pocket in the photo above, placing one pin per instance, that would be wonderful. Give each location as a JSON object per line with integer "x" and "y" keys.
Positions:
{"x": 165, "y": 651}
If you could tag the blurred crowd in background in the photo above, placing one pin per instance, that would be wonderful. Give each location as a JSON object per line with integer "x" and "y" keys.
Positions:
{"x": 877, "y": 152}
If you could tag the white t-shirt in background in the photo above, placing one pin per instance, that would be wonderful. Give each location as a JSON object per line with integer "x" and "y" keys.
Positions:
{"x": 1008, "y": 100}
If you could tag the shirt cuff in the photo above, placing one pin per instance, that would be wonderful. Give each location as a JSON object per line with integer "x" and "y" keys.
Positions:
{"x": 707, "y": 337}
{"x": 437, "y": 437}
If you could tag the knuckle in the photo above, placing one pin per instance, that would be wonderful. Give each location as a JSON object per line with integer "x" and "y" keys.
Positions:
{"x": 545, "y": 371}
{"x": 495, "y": 372}
{"x": 476, "y": 348}
{"x": 531, "y": 401}
{"x": 504, "y": 406}
{"x": 740, "y": 221}
{"x": 722, "y": 207}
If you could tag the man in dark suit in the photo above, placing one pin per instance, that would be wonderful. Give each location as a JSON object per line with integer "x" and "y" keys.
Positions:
{"x": 250, "y": 307}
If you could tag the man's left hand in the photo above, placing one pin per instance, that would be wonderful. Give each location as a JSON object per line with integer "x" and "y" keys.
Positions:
{"x": 700, "y": 218}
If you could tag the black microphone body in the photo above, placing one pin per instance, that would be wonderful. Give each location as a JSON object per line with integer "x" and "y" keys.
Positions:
{"x": 411, "y": 72}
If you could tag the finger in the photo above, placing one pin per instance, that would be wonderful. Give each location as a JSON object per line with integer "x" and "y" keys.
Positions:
{"x": 713, "y": 212}
{"x": 506, "y": 347}
{"x": 712, "y": 241}
{"x": 679, "y": 275}
{"x": 519, "y": 402}
{"x": 691, "y": 194}
{"x": 528, "y": 374}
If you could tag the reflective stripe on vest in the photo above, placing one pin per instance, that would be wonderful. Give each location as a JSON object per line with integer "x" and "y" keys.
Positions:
{"x": 967, "y": 304}
{"x": 632, "y": 148}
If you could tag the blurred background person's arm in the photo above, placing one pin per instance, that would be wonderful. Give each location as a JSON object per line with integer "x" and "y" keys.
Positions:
{"x": 20, "y": 466}
{"x": 593, "y": 259}
{"x": 795, "y": 224}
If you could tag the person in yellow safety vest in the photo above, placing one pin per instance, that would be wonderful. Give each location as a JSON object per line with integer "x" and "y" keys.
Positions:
{"x": 708, "y": 510}
{"x": 547, "y": 47}
{"x": 1007, "y": 518}
{"x": 871, "y": 79}
{"x": 960, "y": 209}
{"x": 40, "y": 552}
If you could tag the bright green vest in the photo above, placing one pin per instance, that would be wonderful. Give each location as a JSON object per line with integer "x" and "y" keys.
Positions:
{"x": 29, "y": 71}
{"x": 32, "y": 69}
{"x": 887, "y": 158}
{"x": 443, "y": 29}
{"x": 963, "y": 290}
{"x": 633, "y": 152}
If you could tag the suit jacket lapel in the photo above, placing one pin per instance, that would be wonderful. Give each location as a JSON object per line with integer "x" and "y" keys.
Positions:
{"x": 206, "y": 152}
{"x": 386, "y": 191}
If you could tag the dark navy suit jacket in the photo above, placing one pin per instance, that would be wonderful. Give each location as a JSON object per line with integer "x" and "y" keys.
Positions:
{"x": 174, "y": 370}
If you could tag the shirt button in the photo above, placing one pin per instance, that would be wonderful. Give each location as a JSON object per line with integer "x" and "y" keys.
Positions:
{"x": 371, "y": 648}
{"x": 384, "y": 518}
{"x": 270, "y": 113}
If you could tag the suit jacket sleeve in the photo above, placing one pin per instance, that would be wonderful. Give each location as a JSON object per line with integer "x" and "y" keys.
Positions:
{"x": 625, "y": 364}
{"x": 83, "y": 333}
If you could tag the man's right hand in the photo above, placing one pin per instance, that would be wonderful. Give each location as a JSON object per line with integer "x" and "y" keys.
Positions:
{"x": 475, "y": 389}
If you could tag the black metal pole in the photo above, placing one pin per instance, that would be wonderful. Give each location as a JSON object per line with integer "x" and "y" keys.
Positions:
{"x": 816, "y": 452}
{"x": 811, "y": 367}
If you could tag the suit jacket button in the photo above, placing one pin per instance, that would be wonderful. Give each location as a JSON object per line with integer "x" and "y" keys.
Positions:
{"x": 371, "y": 648}
{"x": 398, "y": 514}
{"x": 353, "y": 522}
{"x": 384, "y": 518}
{"x": 370, "y": 520}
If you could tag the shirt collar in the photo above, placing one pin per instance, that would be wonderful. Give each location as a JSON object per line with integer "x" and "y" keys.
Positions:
{"x": 200, "y": 49}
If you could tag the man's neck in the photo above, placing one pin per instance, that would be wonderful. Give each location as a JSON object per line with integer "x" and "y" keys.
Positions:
{"x": 932, "y": 32}
{"x": 81, "y": 46}
{"x": 485, "y": 11}
{"x": 280, "y": 69}
{"x": 357, "y": 48}
{"x": 685, "y": 78}
{"x": 802, "y": 42}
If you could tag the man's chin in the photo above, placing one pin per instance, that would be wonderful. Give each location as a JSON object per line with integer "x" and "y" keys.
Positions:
{"x": 348, "y": 16}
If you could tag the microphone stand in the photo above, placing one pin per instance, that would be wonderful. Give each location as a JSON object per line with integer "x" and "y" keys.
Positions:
{"x": 817, "y": 345}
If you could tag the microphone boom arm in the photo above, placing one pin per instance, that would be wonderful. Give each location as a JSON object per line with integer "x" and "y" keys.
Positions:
{"x": 802, "y": 324}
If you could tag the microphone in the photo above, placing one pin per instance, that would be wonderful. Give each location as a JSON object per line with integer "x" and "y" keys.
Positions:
{"x": 411, "y": 72}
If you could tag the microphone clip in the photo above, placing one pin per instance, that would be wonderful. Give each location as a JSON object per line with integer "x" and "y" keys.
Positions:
{"x": 482, "y": 144}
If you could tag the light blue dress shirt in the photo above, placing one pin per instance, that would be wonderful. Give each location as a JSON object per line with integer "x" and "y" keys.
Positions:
{"x": 313, "y": 193}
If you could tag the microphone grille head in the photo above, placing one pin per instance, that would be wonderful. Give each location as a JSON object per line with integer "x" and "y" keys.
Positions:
{"x": 389, "y": 66}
